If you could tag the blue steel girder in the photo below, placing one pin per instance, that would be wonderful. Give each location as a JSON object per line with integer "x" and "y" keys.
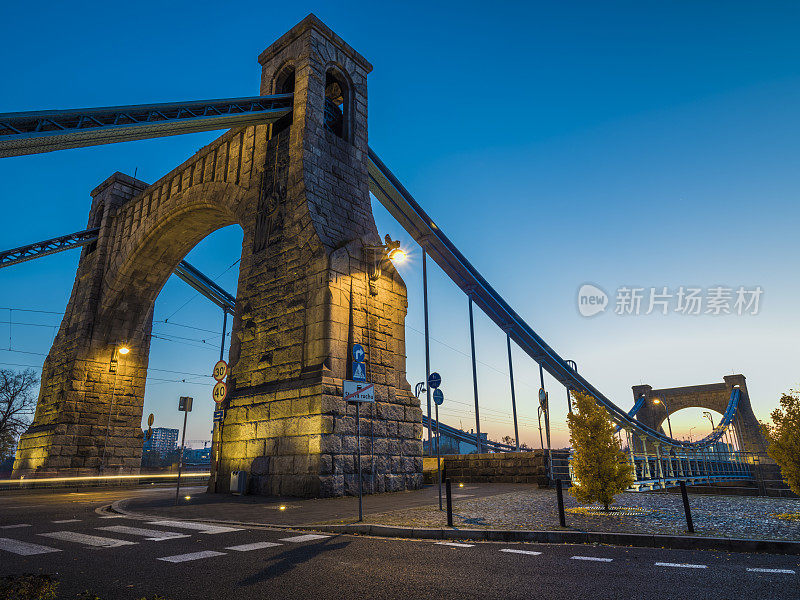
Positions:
{"x": 51, "y": 246}
{"x": 45, "y": 131}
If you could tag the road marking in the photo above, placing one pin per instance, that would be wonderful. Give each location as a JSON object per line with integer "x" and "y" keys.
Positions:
{"x": 67, "y": 521}
{"x": 113, "y": 517}
{"x": 681, "y": 565}
{"x": 15, "y": 526}
{"x": 455, "y": 544}
{"x": 462, "y": 495}
{"x": 786, "y": 571}
{"x": 305, "y": 538}
{"x": 255, "y": 546}
{"x": 149, "y": 534}
{"x": 201, "y": 527}
{"x": 87, "y": 540}
{"x": 514, "y": 551}
{"x": 594, "y": 558}
{"x": 24, "y": 548}
{"x": 179, "y": 558}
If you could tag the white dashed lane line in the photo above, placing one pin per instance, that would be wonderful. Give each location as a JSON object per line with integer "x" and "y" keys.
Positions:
{"x": 200, "y": 527}
{"x": 179, "y": 558}
{"x": 681, "y": 565}
{"x": 153, "y": 535}
{"x": 455, "y": 544}
{"x": 87, "y": 540}
{"x": 24, "y": 548}
{"x": 18, "y": 526}
{"x": 785, "y": 571}
{"x": 305, "y": 538}
{"x": 594, "y": 558}
{"x": 62, "y": 521}
{"x": 254, "y": 546}
{"x": 514, "y": 551}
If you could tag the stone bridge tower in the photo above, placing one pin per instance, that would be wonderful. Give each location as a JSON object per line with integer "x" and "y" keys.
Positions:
{"x": 310, "y": 285}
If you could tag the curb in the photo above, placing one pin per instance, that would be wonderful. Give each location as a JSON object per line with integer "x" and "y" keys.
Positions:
{"x": 636, "y": 540}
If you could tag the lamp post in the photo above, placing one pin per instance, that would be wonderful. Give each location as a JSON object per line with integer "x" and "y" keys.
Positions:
{"x": 690, "y": 433}
{"x": 666, "y": 410}
{"x": 710, "y": 417}
{"x": 122, "y": 350}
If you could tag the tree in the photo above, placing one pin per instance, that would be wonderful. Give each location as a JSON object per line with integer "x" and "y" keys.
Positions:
{"x": 783, "y": 437}
{"x": 508, "y": 440}
{"x": 600, "y": 467}
{"x": 17, "y": 404}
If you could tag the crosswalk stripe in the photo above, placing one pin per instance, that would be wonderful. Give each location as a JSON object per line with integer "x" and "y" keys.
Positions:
{"x": 154, "y": 535}
{"x": 681, "y": 565}
{"x": 594, "y": 558}
{"x": 24, "y": 548}
{"x": 15, "y": 526}
{"x": 254, "y": 546}
{"x": 62, "y": 521}
{"x": 514, "y": 551}
{"x": 455, "y": 544}
{"x": 179, "y": 558}
{"x": 87, "y": 540}
{"x": 305, "y": 538}
{"x": 201, "y": 527}
{"x": 786, "y": 571}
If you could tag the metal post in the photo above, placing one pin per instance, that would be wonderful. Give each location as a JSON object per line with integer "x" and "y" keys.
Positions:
{"x": 513, "y": 395}
{"x": 427, "y": 342}
{"x": 438, "y": 458}
{"x": 358, "y": 446}
{"x": 647, "y": 473}
{"x": 658, "y": 462}
{"x": 217, "y": 428}
{"x": 180, "y": 460}
{"x": 562, "y": 519}
{"x": 546, "y": 426}
{"x": 449, "y": 504}
{"x": 686, "y": 509}
{"x": 475, "y": 378}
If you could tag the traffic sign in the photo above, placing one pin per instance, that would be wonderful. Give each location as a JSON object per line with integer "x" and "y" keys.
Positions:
{"x": 359, "y": 372}
{"x": 220, "y": 391}
{"x": 438, "y": 396}
{"x": 543, "y": 398}
{"x": 151, "y": 419}
{"x": 219, "y": 415}
{"x": 220, "y": 370}
{"x": 434, "y": 380}
{"x": 358, "y": 353}
{"x": 185, "y": 403}
{"x": 356, "y": 391}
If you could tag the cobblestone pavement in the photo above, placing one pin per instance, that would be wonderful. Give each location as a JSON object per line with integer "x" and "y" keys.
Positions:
{"x": 535, "y": 509}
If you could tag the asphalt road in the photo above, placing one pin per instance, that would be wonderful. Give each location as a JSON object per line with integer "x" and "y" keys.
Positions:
{"x": 62, "y": 534}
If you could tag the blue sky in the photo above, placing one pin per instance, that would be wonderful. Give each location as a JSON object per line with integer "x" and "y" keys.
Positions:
{"x": 623, "y": 144}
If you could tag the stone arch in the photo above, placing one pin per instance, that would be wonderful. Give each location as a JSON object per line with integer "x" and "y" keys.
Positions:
{"x": 147, "y": 259}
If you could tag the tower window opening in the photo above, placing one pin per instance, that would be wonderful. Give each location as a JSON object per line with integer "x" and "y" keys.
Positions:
{"x": 284, "y": 84}
{"x": 336, "y": 104}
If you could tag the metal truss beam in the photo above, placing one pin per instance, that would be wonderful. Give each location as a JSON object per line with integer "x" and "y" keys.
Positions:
{"x": 206, "y": 286}
{"x": 51, "y": 246}
{"x": 45, "y": 131}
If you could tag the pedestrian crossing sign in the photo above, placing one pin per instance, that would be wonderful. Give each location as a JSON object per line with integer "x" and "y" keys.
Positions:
{"x": 359, "y": 372}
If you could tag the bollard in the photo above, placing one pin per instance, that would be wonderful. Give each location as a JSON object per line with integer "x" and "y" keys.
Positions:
{"x": 686, "y": 508}
{"x": 449, "y": 503}
{"x": 562, "y": 518}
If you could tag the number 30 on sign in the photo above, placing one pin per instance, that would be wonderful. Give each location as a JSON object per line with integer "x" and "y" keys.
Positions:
{"x": 220, "y": 391}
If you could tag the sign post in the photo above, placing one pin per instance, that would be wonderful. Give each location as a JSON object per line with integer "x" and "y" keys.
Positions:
{"x": 185, "y": 405}
{"x": 434, "y": 381}
{"x": 219, "y": 393}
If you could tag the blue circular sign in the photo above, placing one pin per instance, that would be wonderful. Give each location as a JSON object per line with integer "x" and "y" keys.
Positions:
{"x": 438, "y": 396}
{"x": 358, "y": 353}
{"x": 434, "y": 380}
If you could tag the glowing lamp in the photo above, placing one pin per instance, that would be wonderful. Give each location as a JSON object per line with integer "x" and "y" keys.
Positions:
{"x": 124, "y": 350}
{"x": 397, "y": 255}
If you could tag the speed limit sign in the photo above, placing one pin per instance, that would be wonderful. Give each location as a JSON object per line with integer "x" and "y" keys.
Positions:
{"x": 220, "y": 391}
{"x": 220, "y": 370}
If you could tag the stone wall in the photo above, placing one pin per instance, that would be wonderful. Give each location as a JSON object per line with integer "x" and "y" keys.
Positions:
{"x": 501, "y": 467}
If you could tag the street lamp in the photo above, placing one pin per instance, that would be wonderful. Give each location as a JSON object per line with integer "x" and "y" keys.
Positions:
{"x": 121, "y": 350}
{"x": 710, "y": 417}
{"x": 375, "y": 255}
{"x": 666, "y": 410}
{"x": 690, "y": 433}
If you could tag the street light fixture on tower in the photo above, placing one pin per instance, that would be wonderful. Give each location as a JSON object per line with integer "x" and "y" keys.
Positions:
{"x": 666, "y": 410}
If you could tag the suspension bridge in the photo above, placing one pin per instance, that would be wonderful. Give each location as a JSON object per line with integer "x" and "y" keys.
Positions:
{"x": 294, "y": 170}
